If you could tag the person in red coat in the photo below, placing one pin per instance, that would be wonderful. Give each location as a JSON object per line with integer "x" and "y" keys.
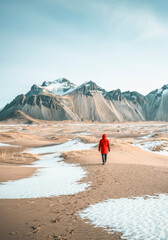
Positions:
{"x": 104, "y": 146}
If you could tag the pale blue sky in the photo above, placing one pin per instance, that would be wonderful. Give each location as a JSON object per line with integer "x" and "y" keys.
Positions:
{"x": 118, "y": 44}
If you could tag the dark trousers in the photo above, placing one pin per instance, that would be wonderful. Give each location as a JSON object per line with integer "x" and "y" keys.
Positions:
{"x": 104, "y": 157}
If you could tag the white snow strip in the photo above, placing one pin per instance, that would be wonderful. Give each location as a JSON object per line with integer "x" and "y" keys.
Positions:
{"x": 82, "y": 133}
{"x": 77, "y": 134}
{"x": 151, "y": 145}
{"x": 12, "y": 129}
{"x": 145, "y": 137}
{"x": 72, "y": 145}
{"x": 7, "y": 145}
{"x": 5, "y": 130}
{"x": 139, "y": 218}
{"x": 53, "y": 178}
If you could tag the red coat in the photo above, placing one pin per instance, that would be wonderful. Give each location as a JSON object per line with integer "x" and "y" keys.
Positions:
{"x": 104, "y": 145}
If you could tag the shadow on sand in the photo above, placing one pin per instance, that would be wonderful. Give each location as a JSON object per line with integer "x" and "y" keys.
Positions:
{"x": 91, "y": 164}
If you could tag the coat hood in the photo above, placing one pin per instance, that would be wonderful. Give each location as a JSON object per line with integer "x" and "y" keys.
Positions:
{"x": 104, "y": 136}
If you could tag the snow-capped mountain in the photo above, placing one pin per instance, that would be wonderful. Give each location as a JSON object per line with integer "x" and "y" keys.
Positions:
{"x": 60, "y": 86}
{"x": 63, "y": 100}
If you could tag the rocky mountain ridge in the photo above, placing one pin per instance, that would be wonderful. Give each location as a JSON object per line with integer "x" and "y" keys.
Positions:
{"x": 63, "y": 100}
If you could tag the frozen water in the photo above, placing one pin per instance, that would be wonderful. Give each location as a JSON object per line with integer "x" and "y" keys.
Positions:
{"x": 138, "y": 218}
{"x": 53, "y": 178}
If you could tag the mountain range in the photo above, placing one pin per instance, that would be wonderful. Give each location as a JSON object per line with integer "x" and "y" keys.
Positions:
{"x": 62, "y": 100}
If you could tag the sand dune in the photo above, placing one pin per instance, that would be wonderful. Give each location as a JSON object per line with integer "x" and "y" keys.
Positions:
{"x": 130, "y": 171}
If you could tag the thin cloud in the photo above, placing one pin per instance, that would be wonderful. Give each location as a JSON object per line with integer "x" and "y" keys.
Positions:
{"x": 144, "y": 23}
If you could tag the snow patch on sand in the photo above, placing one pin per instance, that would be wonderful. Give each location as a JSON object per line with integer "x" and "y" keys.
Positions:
{"x": 139, "y": 218}
{"x": 53, "y": 178}
{"x": 159, "y": 147}
{"x": 5, "y": 130}
{"x": 82, "y": 133}
{"x": 7, "y": 145}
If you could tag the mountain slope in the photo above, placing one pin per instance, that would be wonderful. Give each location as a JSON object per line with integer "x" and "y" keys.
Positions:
{"x": 46, "y": 107}
{"x": 158, "y": 104}
{"x": 21, "y": 117}
{"x": 94, "y": 103}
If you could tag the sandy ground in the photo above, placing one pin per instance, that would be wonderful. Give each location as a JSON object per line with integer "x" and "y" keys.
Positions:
{"x": 129, "y": 171}
{"x": 10, "y": 172}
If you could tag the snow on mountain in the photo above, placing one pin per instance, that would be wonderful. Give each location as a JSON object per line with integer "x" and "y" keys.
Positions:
{"x": 60, "y": 86}
{"x": 162, "y": 90}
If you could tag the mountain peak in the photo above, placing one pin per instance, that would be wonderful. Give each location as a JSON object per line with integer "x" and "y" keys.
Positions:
{"x": 45, "y": 84}
{"x": 159, "y": 92}
{"x": 135, "y": 97}
{"x": 88, "y": 88}
{"x": 59, "y": 86}
{"x": 59, "y": 80}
